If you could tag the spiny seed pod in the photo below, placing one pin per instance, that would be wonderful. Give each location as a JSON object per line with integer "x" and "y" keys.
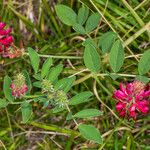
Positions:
{"x": 61, "y": 99}
{"x": 18, "y": 86}
{"x": 132, "y": 99}
{"x": 47, "y": 86}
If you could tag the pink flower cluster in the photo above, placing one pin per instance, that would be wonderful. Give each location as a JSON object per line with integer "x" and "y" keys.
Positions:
{"x": 18, "y": 91}
{"x": 6, "y": 40}
{"x": 18, "y": 86}
{"x": 132, "y": 99}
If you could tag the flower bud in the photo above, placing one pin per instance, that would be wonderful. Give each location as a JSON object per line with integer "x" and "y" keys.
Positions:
{"x": 18, "y": 86}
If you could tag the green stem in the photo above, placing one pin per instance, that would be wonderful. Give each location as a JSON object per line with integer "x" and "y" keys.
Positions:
{"x": 55, "y": 128}
{"x": 114, "y": 129}
{"x": 70, "y": 111}
{"x": 18, "y": 103}
{"x": 86, "y": 77}
{"x": 138, "y": 33}
{"x": 135, "y": 15}
{"x": 58, "y": 57}
{"x": 101, "y": 85}
{"x": 32, "y": 96}
{"x": 10, "y": 126}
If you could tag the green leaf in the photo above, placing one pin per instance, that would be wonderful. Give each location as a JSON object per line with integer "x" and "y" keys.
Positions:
{"x": 34, "y": 58}
{"x": 45, "y": 104}
{"x": 54, "y": 73}
{"x": 3, "y": 103}
{"x": 88, "y": 113}
{"x": 46, "y": 67}
{"x": 142, "y": 79}
{"x": 82, "y": 15}
{"x": 80, "y": 98}
{"x": 64, "y": 84}
{"x": 113, "y": 76}
{"x": 37, "y": 84}
{"x": 26, "y": 110}
{"x": 28, "y": 81}
{"x": 37, "y": 76}
{"x": 66, "y": 14}
{"x": 26, "y": 21}
{"x": 106, "y": 41}
{"x": 89, "y": 41}
{"x": 144, "y": 64}
{"x": 6, "y": 88}
{"x": 69, "y": 116}
{"x": 58, "y": 109}
{"x": 116, "y": 56}
{"x": 92, "y": 58}
{"x": 89, "y": 132}
{"x": 92, "y": 22}
{"x": 79, "y": 28}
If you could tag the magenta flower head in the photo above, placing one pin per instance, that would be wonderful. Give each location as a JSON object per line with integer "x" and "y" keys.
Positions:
{"x": 132, "y": 99}
{"x": 6, "y": 39}
{"x": 18, "y": 86}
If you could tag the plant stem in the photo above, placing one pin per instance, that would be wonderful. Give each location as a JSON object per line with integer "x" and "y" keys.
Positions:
{"x": 54, "y": 128}
{"x": 17, "y": 103}
{"x": 138, "y": 33}
{"x": 86, "y": 77}
{"x": 58, "y": 57}
{"x": 10, "y": 126}
{"x": 135, "y": 15}
{"x": 101, "y": 85}
{"x": 114, "y": 129}
{"x": 70, "y": 111}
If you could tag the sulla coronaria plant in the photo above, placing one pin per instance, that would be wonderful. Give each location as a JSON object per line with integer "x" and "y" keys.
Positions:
{"x": 132, "y": 99}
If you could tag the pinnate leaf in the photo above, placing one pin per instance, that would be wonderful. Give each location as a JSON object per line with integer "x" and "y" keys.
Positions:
{"x": 46, "y": 67}
{"x": 26, "y": 110}
{"x": 34, "y": 58}
{"x": 106, "y": 41}
{"x": 92, "y": 58}
{"x": 64, "y": 84}
{"x": 3, "y": 103}
{"x": 92, "y": 22}
{"x": 82, "y": 15}
{"x": 79, "y": 28}
{"x": 80, "y": 98}
{"x": 116, "y": 56}
{"x": 89, "y": 132}
{"x": 54, "y": 73}
{"x": 6, "y": 88}
{"x": 88, "y": 113}
{"x": 144, "y": 64}
{"x": 66, "y": 14}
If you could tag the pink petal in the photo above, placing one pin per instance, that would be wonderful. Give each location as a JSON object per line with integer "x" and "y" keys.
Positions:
{"x": 2, "y": 25}
{"x": 129, "y": 88}
{"x": 6, "y": 41}
{"x": 122, "y": 113}
{"x": 120, "y": 106}
{"x": 132, "y": 108}
{"x": 143, "y": 106}
{"x": 147, "y": 93}
{"x": 119, "y": 94}
{"x": 133, "y": 114}
{"x": 5, "y": 32}
{"x": 123, "y": 89}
